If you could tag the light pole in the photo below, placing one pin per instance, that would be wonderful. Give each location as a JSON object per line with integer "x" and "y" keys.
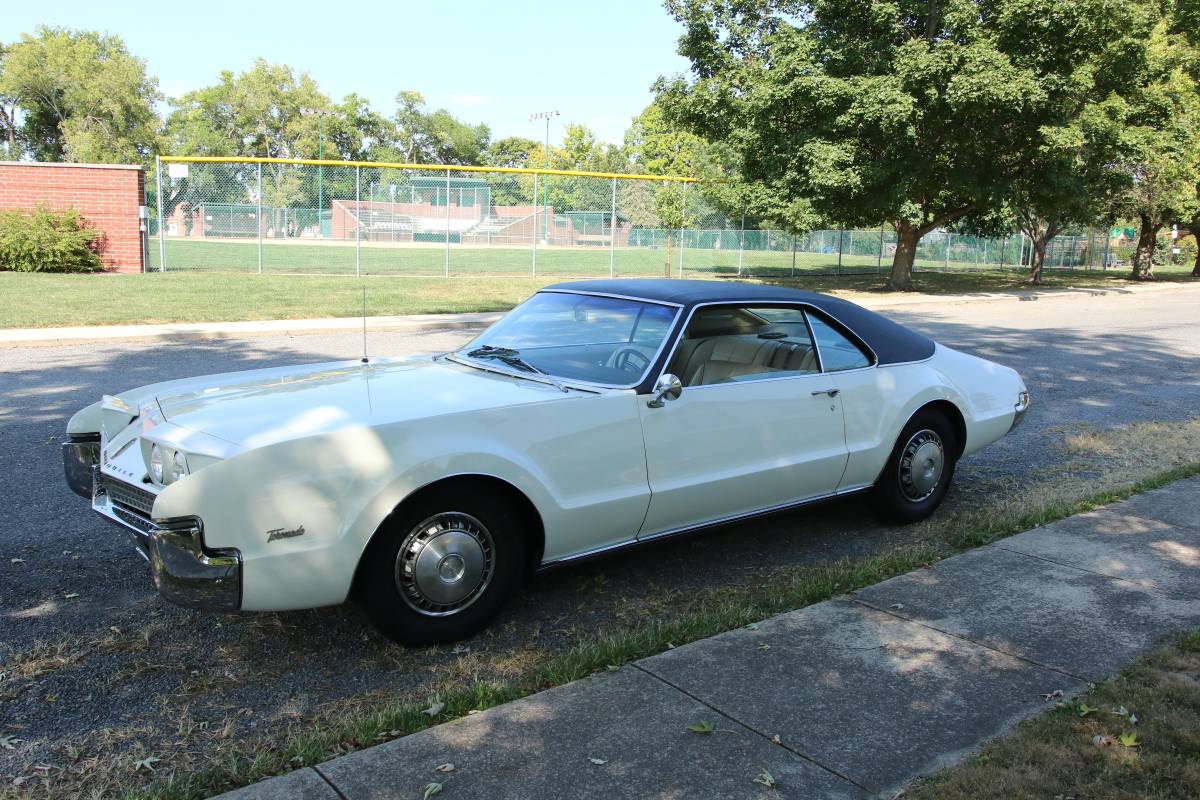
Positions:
{"x": 321, "y": 114}
{"x": 546, "y": 115}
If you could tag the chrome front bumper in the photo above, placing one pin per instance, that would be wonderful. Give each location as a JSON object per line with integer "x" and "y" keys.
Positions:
{"x": 1019, "y": 409}
{"x": 185, "y": 572}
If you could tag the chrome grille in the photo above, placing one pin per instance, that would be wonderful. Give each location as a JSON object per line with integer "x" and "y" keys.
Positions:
{"x": 128, "y": 495}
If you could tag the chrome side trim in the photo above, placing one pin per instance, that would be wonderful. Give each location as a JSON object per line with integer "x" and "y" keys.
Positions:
{"x": 615, "y": 296}
{"x": 701, "y": 526}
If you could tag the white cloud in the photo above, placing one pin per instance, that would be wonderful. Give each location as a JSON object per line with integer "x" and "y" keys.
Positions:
{"x": 468, "y": 99}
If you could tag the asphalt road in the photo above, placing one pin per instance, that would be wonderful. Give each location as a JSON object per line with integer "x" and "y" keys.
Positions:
{"x": 132, "y": 666}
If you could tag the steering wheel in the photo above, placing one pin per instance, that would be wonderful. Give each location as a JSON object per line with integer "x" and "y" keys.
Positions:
{"x": 631, "y": 360}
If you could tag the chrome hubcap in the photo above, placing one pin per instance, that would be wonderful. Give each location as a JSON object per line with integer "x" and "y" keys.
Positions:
{"x": 445, "y": 564}
{"x": 921, "y": 465}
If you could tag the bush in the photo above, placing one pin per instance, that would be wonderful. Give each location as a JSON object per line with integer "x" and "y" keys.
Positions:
{"x": 48, "y": 241}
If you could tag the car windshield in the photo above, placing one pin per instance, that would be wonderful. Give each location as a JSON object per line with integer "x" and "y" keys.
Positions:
{"x": 606, "y": 340}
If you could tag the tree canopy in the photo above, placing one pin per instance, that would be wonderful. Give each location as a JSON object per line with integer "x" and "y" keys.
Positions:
{"x": 918, "y": 112}
{"x": 82, "y": 97}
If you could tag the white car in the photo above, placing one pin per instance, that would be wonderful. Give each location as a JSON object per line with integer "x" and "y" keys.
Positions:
{"x": 597, "y": 415}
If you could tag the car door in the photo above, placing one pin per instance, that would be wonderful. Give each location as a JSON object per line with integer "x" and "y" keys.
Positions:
{"x": 756, "y": 425}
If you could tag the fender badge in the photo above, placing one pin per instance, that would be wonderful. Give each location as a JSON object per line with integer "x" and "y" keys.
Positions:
{"x": 284, "y": 533}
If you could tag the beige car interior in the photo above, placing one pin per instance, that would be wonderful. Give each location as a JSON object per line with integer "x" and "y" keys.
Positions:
{"x": 731, "y": 344}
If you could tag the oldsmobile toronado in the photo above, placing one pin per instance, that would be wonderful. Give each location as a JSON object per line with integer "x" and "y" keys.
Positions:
{"x": 595, "y": 416}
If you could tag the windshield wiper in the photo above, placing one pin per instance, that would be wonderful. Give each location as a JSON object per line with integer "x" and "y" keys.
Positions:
{"x": 513, "y": 358}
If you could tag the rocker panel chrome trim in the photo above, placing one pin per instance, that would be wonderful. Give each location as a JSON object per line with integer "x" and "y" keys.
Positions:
{"x": 669, "y": 534}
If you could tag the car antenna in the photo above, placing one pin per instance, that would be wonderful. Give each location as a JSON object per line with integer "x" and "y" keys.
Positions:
{"x": 364, "y": 307}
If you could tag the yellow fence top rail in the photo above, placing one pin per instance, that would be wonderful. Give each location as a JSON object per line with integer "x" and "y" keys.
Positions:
{"x": 428, "y": 167}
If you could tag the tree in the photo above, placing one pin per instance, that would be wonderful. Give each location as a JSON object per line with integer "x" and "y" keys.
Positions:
{"x": 1162, "y": 141}
{"x": 918, "y": 112}
{"x": 8, "y": 115}
{"x": 512, "y": 151}
{"x": 82, "y": 97}
{"x": 436, "y": 137}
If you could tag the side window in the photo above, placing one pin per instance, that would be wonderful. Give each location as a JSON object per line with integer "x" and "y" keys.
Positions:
{"x": 727, "y": 344}
{"x": 837, "y": 352}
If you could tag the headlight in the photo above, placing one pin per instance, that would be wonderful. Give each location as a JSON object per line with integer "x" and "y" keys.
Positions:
{"x": 156, "y": 463}
{"x": 178, "y": 466}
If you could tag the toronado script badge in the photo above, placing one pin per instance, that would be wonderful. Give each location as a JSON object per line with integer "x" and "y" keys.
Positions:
{"x": 284, "y": 533}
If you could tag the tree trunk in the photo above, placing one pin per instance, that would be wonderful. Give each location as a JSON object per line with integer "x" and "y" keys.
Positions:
{"x": 1196, "y": 269}
{"x": 1037, "y": 258}
{"x": 1143, "y": 257}
{"x": 667, "y": 263}
{"x": 907, "y": 237}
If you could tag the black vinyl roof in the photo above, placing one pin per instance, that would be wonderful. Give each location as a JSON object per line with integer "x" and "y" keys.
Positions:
{"x": 892, "y": 342}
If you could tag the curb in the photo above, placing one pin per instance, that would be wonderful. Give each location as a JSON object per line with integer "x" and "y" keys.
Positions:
{"x": 419, "y": 323}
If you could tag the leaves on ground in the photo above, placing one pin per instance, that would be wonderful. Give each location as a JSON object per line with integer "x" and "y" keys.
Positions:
{"x": 766, "y": 779}
{"x": 447, "y": 767}
{"x": 9, "y": 742}
{"x": 599, "y": 762}
{"x": 435, "y": 707}
{"x": 1129, "y": 739}
{"x": 431, "y": 788}
{"x": 1055, "y": 695}
{"x": 146, "y": 764}
{"x": 1083, "y": 709}
{"x": 703, "y": 726}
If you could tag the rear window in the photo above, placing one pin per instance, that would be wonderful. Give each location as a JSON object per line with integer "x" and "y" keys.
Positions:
{"x": 838, "y": 353}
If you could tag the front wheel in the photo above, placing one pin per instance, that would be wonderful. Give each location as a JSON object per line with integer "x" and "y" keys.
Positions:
{"x": 442, "y": 568}
{"x": 919, "y": 470}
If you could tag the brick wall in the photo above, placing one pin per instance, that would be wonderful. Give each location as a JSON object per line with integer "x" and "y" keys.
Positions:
{"x": 108, "y": 195}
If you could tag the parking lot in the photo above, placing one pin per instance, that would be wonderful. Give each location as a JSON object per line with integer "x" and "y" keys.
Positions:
{"x": 122, "y": 671}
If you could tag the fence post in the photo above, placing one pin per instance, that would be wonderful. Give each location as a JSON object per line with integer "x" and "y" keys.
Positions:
{"x": 162, "y": 244}
{"x": 534, "y": 220}
{"x": 741, "y": 243}
{"x": 841, "y": 235}
{"x": 612, "y": 235}
{"x": 948, "y": 251}
{"x": 1107, "y": 241}
{"x": 447, "y": 264}
{"x": 258, "y": 217}
{"x": 682, "y": 221}
{"x": 1074, "y": 241}
{"x": 793, "y": 255}
{"x": 1021, "y": 252}
{"x": 879, "y": 258}
{"x": 357, "y": 221}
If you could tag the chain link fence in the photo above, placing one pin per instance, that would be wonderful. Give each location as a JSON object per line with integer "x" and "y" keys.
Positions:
{"x": 274, "y": 216}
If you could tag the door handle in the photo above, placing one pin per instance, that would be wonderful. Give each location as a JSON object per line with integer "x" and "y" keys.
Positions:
{"x": 830, "y": 392}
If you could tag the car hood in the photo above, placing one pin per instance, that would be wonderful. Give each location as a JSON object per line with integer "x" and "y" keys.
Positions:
{"x": 263, "y": 407}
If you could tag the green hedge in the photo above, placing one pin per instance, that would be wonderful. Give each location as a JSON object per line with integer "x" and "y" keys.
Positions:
{"x": 48, "y": 241}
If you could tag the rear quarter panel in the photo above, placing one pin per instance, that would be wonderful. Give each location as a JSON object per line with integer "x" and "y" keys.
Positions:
{"x": 879, "y": 401}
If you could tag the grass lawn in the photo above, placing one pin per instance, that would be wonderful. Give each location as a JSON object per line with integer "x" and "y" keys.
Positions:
{"x": 1077, "y": 750}
{"x": 218, "y": 294}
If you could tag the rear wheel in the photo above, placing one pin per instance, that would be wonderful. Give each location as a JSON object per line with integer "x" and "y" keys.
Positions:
{"x": 443, "y": 566}
{"x": 919, "y": 470}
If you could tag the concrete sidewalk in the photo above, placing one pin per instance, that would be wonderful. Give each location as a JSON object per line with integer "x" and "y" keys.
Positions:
{"x": 416, "y": 323}
{"x": 850, "y": 698}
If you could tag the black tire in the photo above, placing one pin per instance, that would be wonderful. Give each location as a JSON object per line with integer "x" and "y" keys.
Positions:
{"x": 906, "y": 501}
{"x": 390, "y": 594}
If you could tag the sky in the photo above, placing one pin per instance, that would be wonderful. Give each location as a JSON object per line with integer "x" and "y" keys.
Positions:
{"x": 493, "y": 62}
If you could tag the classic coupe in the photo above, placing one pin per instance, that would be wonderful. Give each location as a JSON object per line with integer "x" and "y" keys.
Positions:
{"x": 595, "y": 416}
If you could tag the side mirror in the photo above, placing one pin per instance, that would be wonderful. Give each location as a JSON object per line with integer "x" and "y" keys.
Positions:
{"x": 667, "y": 387}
